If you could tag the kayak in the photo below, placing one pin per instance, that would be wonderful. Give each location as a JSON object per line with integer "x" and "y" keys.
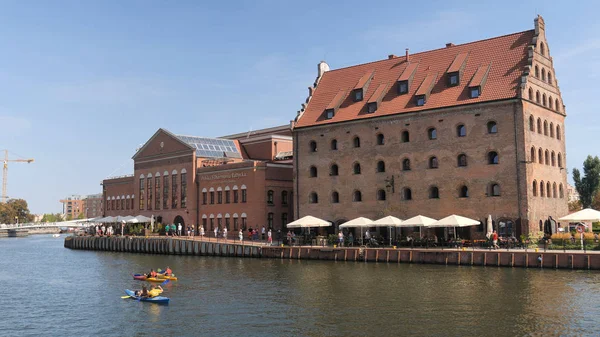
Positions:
{"x": 157, "y": 299}
{"x": 155, "y": 279}
{"x": 163, "y": 277}
{"x": 140, "y": 277}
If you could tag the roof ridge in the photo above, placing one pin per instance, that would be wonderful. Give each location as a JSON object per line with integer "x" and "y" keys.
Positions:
{"x": 201, "y": 137}
{"x": 428, "y": 51}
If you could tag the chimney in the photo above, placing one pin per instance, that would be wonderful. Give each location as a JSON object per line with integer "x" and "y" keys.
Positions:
{"x": 391, "y": 56}
{"x": 449, "y": 44}
{"x": 407, "y": 56}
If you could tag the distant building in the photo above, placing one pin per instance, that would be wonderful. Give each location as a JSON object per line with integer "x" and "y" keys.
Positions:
{"x": 72, "y": 206}
{"x": 572, "y": 193}
{"x": 88, "y": 205}
{"x": 92, "y": 205}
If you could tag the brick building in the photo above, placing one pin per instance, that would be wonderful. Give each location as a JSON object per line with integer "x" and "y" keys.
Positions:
{"x": 86, "y": 206}
{"x": 475, "y": 129}
{"x": 92, "y": 205}
{"x": 233, "y": 181}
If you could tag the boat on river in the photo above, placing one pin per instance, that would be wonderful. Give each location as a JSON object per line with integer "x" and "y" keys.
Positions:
{"x": 157, "y": 299}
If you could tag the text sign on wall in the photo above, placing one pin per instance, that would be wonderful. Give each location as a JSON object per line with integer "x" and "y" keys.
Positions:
{"x": 223, "y": 176}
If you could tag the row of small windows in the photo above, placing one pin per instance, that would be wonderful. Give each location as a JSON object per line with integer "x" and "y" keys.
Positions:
{"x": 547, "y": 190}
{"x": 493, "y": 189}
{"x": 208, "y": 196}
{"x": 545, "y": 76}
{"x": 545, "y": 101}
{"x": 461, "y": 131}
{"x": 546, "y": 157}
{"x": 433, "y": 163}
{"x": 120, "y": 202}
{"x": 271, "y": 194}
{"x": 150, "y": 189}
{"x": 547, "y": 129}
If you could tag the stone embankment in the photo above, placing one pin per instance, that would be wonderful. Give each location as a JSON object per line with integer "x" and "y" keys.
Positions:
{"x": 493, "y": 258}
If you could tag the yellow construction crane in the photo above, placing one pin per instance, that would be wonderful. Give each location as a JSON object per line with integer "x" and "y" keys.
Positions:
{"x": 5, "y": 172}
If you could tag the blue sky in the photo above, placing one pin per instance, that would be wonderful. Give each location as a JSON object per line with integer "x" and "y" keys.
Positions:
{"x": 83, "y": 83}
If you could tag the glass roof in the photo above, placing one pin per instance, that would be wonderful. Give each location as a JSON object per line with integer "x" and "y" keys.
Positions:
{"x": 212, "y": 147}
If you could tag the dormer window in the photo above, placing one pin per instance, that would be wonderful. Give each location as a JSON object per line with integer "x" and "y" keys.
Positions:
{"x": 453, "y": 79}
{"x": 376, "y": 98}
{"x": 406, "y": 78}
{"x": 402, "y": 87}
{"x": 455, "y": 70}
{"x": 372, "y": 107}
{"x": 330, "y": 113}
{"x": 358, "y": 95}
{"x": 425, "y": 89}
{"x": 334, "y": 104}
{"x": 358, "y": 92}
{"x": 421, "y": 100}
{"x": 475, "y": 92}
{"x": 478, "y": 81}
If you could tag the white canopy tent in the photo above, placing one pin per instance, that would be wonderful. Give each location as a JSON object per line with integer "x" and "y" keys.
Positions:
{"x": 454, "y": 221}
{"x": 587, "y": 214}
{"x": 418, "y": 221}
{"x": 139, "y": 219}
{"x": 308, "y": 221}
{"x": 388, "y": 221}
{"x": 359, "y": 222}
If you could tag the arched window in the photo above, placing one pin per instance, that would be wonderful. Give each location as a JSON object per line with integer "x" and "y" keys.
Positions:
{"x": 406, "y": 164}
{"x": 547, "y": 157}
{"x": 313, "y": 171}
{"x": 545, "y": 128}
{"x": 550, "y": 103}
{"x": 462, "y": 160}
{"x": 313, "y": 198}
{"x": 548, "y": 190}
{"x": 284, "y": 197}
{"x": 532, "y": 154}
{"x": 539, "y": 125}
{"x": 356, "y": 141}
{"x": 543, "y": 74}
{"x": 559, "y": 160}
{"x": 334, "y": 144}
{"x": 537, "y": 72}
{"x": 537, "y": 97}
{"x": 558, "y": 134}
{"x": 381, "y": 195}
{"x": 380, "y": 139}
{"x": 270, "y": 197}
{"x": 406, "y": 194}
{"x": 534, "y": 187}
{"x": 463, "y": 192}
{"x": 461, "y": 131}
{"x": 493, "y": 158}
{"x": 335, "y": 197}
{"x": 313, "y": 146}
{"x": 552, "y": 159}
{"x": 357, "y": 196}
{"x": 556, "y": 106}
{"x": 434, "y": 192}
{"x": 356, "y": 168}
{"x": 432, "y": 133}
{"x": 531, "y": 124}
{"x": 333, "y": 170}
{"x": 554, "y": 190}
{"x": 494, "y": 190}
{"x": 560, "y": 191}
{"x": 549, "y": 78}
{"x": 541, "y": 226}
{"x": 542, "y": 48}
{"x": 542, "y": 189}
{"x": 492, "y": 127}
{"x": 530, "y": 94}
{"x": 551, "y": 129}
{"x": 540, "y": 156}
{"x": 405, "y": 137}
{"x": 380, "y": 166}
{"x": 433, "y": 163}
{"x": 544, "y": 100}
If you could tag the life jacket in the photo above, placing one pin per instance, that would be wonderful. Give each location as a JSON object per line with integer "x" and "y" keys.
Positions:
{"x": 153, "y": 274}
{"x": 168, "y": 272}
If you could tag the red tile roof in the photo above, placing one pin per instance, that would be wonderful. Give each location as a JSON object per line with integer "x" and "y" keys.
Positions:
{"x": 457, "y": 63}
{"x": 425, "y": 87}
{"x": 363, "y": 80}
{"x": 378, "y": 93}
{"x": 408, "y": 71}
{"x": 506, "y": 55}
{"x": 480, "y": 76}
{"x": 337, "y": 100}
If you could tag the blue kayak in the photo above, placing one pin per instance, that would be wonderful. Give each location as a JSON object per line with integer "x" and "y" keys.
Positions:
{"x": 157, "y": 299}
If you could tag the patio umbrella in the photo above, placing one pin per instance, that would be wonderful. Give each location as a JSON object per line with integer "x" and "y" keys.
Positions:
{"x": 388, "y": 221}
{"x": 418, "y": 221}
{"x": 454, "y": 221}
{"x": 139, "y": 219}
{"x": 490, "y": 226}
{"x": 588, "y": 214}
{"x": 358, "y": 223}
{"x": 308, "y": 222}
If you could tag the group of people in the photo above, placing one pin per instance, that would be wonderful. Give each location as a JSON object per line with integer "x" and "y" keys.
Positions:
{"x": 253, "y": 234}
{"x": 145, "y": 293}
{"x": 173, "y": 230}
{"x": 104, "y": 230}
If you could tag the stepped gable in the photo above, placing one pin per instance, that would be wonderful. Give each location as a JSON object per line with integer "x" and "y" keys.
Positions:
{"x": 506, "y": 56}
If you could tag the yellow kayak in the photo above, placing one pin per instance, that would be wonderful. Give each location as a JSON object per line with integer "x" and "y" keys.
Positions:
{"x": 163, "y": 277}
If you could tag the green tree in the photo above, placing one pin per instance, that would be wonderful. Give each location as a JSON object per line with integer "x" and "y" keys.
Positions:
{"x": 587, "y": 186}
{"x": 15, "y": 210}
{"x": 574, "y": 206}
{"x": 69, "y": 217}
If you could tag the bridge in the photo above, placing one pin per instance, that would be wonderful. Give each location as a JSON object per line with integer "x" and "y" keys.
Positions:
{"x": 83, "y": 223}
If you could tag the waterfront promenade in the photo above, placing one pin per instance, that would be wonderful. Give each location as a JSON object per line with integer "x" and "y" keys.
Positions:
{"x": 521, "y": 258}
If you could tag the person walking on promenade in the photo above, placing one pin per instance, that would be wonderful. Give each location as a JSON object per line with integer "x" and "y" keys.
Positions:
{"x": 350, "y": 239}
{"x": 241, "y": 235}
{"x": 289, "y": 237}
{"x": 495, "y": 240}
{"x": 270, "y": 237}
{"x": 179, "y": 229}
{"x": 225, "y": 233}
{"x": 201, "y": 232}
{"x": 263, "y": 233}
{"x": 216, "y": 230}
{"x": 341, "y": 239}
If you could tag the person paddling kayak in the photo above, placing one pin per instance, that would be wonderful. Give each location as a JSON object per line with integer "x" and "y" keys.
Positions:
{"x": 168, "y": 271}
{"x": 142, "y": 293}
{"x": 152, "y": 273}
{"x": 155, "y": 291}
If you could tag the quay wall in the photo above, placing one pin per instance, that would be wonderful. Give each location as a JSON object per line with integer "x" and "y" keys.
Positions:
{"x": 493, "y": 258}
{"x": 13, "y": 233}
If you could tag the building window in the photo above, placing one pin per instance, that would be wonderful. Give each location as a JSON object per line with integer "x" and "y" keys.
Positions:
{"x": 553, "y": 159}
{"x": 556, "y": 106}
{"x": 537, "y": 97}
{"x": 539, "y": 125}
{"x": 530, "y": 94}
{"x": 402, "y": 87}
{"x": 558, "y": 134}
{"x": 112, "y": 202}
{"x": 381, "y": 195}
{"x": 356, "y": 142}
{"x": 157, "y": 192}
{"x": 542, "y": 189}
{"x": 227, "y": 197}
{"x": 463, "y": 192}
{"x": 560, "y": 191}
{"x": 149, "y": 201}
{"x": 537, "y": 72}
{"x": 313, "y": 172}
{"x": 244, "y": 196}
{"x": 380, "y": 139}
{"x": 453, "y": 79}
{"x": 545, "y": 128}
{"x": 548, "y": 195}
{"x": 235, "y": 196}
{"x": 492, "y": 127}
{"x": 554, "y": 190}
{"x": 204, "y": 197}
{"x": 358, "y": 95}
{"x": 142, "y": 193}
{"x": 542, "y": 49}
{"x": 313, "y": 198}
{"x": 284, "y": 220}
{"x": 551, "y": 130}
{"x": 334, "y": 144}
{"x": 174, "y": 194}
{"x": 127, "y": 204}
{"x": 532, "y": 155}
{"x": 357, "y": 196}
{"x": 462, "y": 160}
{"x": 534, "y": 188}
{"x": 329, "y": 113}
{"x": 420, "y": 100}
{"x": 531, "y": 124}
{"x": 244, "y": 222}
{"x": 212, "y": 197}
{"x": 284, "y": 198}
{"x": 493, "y": 158}
{"x": 184, "y": 190}
{"x": 434, "y": 192}
{"x": 227, "y": 223}
{"x": 356, "y": 168}
{"x": 550, "y": 78}
{"x": 540, "y": 156}
{"x": 219, "y": 197}
{"x": 235, "y": 224}
{"x": 406, "y": 164}
{"x": 270, "y": 197}
{"x": 380, "y": 166}
{"x": 335, "y": 197}
{"x": 494, "y": 190}
{"x": 547, "y": 157}
{"x": 405, "y": 137}
{"x": 433, "y": 163}
{"x": 432, "y": 133}
{"x": 166, "y": 192}
{"x": 313, "y": 146}
{"x": 461, "y": 130}
{"x": 475, "y": 92}
{"x": 220, "y": 222}
{"x": 550, "y": 105}
{"x": 371, "y": 107}
{"x": 543, "y": 74}
{"x": 270, "y": 220}
{"x": 333, "y": 170}
{"x": 559, "y": 160}
{"x": 406, "y": 194}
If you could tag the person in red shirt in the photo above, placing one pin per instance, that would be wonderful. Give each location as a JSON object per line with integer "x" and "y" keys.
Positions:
{"x": 495, "y": 240}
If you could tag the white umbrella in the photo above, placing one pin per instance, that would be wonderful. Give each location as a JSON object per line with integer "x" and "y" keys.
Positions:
{"x": 418, "y": 221}
{"x": 454, "y": 221}
{"x": 108, "y": 219}
{"x": 308, "y": 221}
{"x": 358, "y": 223}
{"x": 388, "y": 221}
{"x": 139, "y": 219}
{"x": 490, "y": 226}
{"x": 587, "y": 214}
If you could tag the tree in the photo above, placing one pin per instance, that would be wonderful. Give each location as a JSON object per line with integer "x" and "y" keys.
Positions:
{"x": 49, "y": 217}
{"x": 587, "y": 187}
{"x": 574, "y": 206}
{"x": 15, "y": 210}
{"x": 596, "y": 201}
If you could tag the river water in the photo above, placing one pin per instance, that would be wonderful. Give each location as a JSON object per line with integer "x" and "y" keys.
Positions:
{"x": 51, "y": 290}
